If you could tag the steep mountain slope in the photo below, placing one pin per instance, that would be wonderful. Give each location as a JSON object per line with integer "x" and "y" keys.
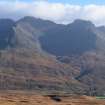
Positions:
{"x": 40, "y": 55}
{"x": 25, "y": 66}
{"x": 82, "y": 45}
{"x": 31, "y": 71}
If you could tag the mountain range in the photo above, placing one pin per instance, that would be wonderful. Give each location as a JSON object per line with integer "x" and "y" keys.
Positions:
{"x": 43, "y": 56}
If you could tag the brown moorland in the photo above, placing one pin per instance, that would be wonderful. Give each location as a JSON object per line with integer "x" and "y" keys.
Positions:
{"x": 24, "y": 98}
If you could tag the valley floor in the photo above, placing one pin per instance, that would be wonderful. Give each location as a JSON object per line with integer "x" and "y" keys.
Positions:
{"x": 19, "y": 98}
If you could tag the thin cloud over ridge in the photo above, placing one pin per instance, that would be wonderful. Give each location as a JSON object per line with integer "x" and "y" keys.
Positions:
{"x": 57, "y": 12}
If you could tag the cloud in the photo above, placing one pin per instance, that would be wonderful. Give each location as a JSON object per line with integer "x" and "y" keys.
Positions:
{"x": 57, "y": 12}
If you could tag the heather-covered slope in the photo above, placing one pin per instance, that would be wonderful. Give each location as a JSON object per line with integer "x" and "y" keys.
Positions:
{"x": 25, "y": 70}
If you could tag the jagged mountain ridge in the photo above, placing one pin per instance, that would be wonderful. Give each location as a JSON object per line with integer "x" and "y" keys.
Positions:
{"x": 70, "y": 37}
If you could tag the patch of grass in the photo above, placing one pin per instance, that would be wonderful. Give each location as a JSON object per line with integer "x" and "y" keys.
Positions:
{"x": 100, "y": 97}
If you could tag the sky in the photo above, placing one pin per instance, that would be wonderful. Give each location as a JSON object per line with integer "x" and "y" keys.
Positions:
{"x": 75, "y": 2}
{"x": 80, "y": 2}
{"x": 59, "y": 11}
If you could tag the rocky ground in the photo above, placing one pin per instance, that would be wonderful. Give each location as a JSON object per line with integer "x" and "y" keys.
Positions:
{"x": 20, "y": 98}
